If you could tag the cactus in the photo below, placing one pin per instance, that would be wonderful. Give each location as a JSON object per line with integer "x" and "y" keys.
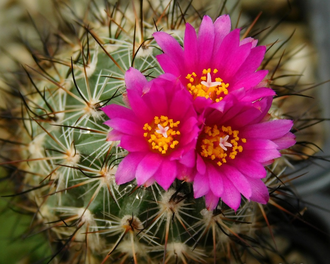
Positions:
{"x": 63, "y": 161}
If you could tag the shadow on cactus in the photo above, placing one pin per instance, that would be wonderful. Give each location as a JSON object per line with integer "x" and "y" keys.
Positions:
{"x": 135, "y": 140}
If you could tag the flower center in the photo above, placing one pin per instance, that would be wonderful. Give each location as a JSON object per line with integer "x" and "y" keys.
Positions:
{"x": 162, "y": 133}
{"x": 208, "y": 85}
{"x": 219, "y": 144}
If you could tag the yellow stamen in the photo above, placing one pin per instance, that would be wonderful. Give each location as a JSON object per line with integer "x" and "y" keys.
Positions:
{"x": 214, "y": 143}
{"x": 162, "y": 134}
{"x": 208, "y": 85}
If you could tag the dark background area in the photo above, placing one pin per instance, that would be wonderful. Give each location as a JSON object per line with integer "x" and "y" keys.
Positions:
{"x": 311, "y": 20}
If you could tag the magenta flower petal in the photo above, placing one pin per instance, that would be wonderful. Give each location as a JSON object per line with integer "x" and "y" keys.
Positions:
{"x": 188, "y": 159}
{"x": 250, "y": 168}
{"x": 182, "y": 102}
{"x": 190, "y": 47}
{"x": 253, "y": 41}
{"x": 139, "y": 105}
{"x": 268, "y": 130}
{"x": 147, "y": 167}
{"x": 228, "y": 113}
{"x": 127, "y": 167}
{"x": 230, "y": 43}
{"x": 251, "y": 81}
{"x": 214, "y": 63}
{"x": 262, "y": 106}
{"x": 216, "y": 182}
{"x": 167, "y": 173}
{"x": 119, "y": 111}
{"x": 184, "y": 173}
{"x": 201, "y": 185}
{"x": 135, "y": 80}
{"x": 190, "y": 125}
{"x": 246, "y": 117}
{"x": 158, "y": 106}
{"x": 263, "y": 155}
{"x": 231, "y": 196}
{"x": 205, "y": 38}
{"x": 113, "y": 135}
{"x": 232, "y": 148}
{"x": 160, "y": 127}
{"x": 259, "y": 191}
{"x": 286, "y": 141}
{"x": 222, "y": 27}
{"x": 167, "y": 64}
{"x": 235, "y": 60}
{"x": 201, "y": 166}
{"x": 205, "y": 120}
{"x": 238, "y": 180}
{"x": 133, "y": 143}
{"x": 256, "y": 143}
{"x": 170, "y": 46}
{"x": 252, "y": 62}
{"x": 124, "y": 125}
{"x": 211, "y": 200}
{"x": 254, "y": 94}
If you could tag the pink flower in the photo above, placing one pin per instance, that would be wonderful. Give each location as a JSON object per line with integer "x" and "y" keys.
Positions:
{"x": 158, "y": 129}
{"x": 232, "y": 149}
{"x": 213, "y": 63}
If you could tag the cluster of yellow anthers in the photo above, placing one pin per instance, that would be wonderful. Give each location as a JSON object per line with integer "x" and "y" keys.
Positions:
{"x": 162, "y": 133}
{"x": 204, "y": 87}
{"x": 215, "y": 143}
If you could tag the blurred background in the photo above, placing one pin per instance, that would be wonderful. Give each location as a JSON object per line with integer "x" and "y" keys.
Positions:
{"x": 310, "y": 49}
